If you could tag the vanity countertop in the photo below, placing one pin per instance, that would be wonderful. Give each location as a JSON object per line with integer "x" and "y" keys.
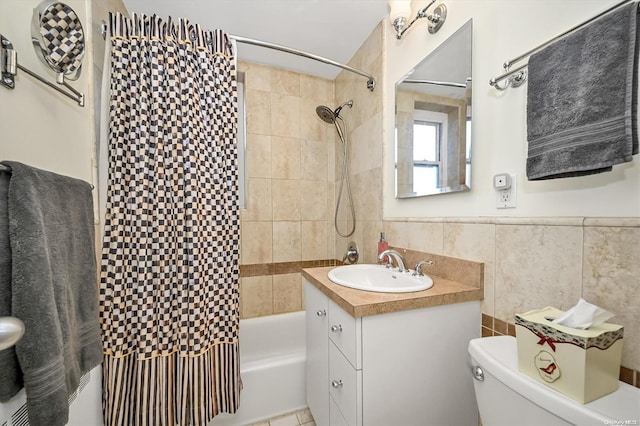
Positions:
{"x": 360, "y": 303}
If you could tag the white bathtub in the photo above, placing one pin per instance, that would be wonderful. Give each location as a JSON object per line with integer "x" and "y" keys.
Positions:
{"x": 272, "y": 367}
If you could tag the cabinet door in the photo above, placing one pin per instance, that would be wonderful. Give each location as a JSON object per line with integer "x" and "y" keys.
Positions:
{"x": 316, "y": 306}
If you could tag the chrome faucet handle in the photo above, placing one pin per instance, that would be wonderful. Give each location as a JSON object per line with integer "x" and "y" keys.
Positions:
{"x": 352, "y": 254}
{"x": 418, "y": 268}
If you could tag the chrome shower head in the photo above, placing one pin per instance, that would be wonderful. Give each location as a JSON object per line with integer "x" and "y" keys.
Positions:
{"x": 328, "y": 115}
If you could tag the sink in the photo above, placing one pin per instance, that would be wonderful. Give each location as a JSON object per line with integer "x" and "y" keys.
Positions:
{"x": 378, "y": 278}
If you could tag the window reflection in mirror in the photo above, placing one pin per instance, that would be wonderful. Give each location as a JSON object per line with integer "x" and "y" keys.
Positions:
{"x": 433, "y": 121}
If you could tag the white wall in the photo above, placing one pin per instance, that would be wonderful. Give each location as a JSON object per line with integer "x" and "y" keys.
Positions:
{"x": 502, "y": 30}
{"x": 42, "y": 128}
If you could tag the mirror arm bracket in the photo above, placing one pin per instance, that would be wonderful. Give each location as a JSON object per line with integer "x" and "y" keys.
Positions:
{"x": 9, "y": 66}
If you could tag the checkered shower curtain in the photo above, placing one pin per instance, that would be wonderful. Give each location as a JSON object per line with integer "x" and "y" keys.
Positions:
{"x": 169, "y": 273}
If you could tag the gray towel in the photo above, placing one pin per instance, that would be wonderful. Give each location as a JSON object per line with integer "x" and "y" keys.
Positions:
{"x": 54, "y": 287}
{"x": 10, "y": 374}
{"x": 582, "y": 99}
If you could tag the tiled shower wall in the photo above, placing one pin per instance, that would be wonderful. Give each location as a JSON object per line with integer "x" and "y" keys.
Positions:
{"x": 288, "y": 222}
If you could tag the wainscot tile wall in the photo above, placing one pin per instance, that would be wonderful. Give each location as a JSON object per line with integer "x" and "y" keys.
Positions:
{"x": 531, "y": 263}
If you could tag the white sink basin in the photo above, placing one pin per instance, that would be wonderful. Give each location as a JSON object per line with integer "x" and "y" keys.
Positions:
{"x": 378, "y": 278}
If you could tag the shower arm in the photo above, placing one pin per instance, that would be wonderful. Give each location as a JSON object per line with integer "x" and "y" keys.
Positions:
{"x": 371, "y": 83}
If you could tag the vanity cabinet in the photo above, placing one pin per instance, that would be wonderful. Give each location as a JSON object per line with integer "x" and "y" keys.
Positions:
{"x": 408, "y": 367}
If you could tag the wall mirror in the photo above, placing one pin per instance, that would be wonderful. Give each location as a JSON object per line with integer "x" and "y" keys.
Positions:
{"x": 58, "y": 38}
{"x": 433, "y": 121}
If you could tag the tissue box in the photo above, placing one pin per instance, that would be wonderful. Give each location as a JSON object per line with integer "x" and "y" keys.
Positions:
{"x": 582, "y": 364}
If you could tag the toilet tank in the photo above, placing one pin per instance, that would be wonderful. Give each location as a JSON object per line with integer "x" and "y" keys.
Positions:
{"x": 507, "y": 397}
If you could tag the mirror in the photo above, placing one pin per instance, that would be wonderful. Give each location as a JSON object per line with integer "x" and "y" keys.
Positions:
{"x": 433, "y": 121}
{"x": 58, "y": 38}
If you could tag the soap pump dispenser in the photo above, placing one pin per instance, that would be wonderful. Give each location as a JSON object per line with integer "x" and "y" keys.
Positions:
{"x": 382, "y": 244}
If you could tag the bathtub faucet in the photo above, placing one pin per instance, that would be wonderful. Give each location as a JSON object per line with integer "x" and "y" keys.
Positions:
{"x": 392, "y": 254}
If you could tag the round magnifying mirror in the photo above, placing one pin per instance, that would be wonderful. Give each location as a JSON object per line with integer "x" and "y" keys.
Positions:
{"x": 58, "y": 38}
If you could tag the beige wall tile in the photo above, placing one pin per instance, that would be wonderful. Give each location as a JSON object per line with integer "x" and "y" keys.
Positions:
{"x": 259, "y": 207}
{"x": 365, "y": 146}
{"x": 367, "y": 194}
{"x": 311, "y": 126}
{"x": 285, "y": 158}
{"x": 314, "y": 240}
{"x": 536, "y": 266}
{"x": 285, "y": 115}
{"x": 258, "y": 156}
{"x": 256, "y": 294}
{"x": 286, "y": 199}
{"x": 474, "y": 241}
{"x": 314, "y": 160}
{"x": 370, "y": 236}
{"x": 427, "y": 237}
{"x": 256, "y": 241}
{"x": 285, "y": 82}
{"x": 257, "y": 77}
{"x": 287, "y": 293}
{"x": 313, "y": 199}
{"x": 314, "y": 88}
{"x": 258, "y": 112}
{"x": 611, "y": 280}
{"x": 331, "y": 162}
{"x": 286, "y": 241}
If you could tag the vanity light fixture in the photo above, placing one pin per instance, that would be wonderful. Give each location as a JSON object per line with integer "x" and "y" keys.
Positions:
{"x": 401, "y": 9}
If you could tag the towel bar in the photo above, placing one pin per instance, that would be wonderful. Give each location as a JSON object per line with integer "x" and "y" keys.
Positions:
{"x": 518, "y": 76}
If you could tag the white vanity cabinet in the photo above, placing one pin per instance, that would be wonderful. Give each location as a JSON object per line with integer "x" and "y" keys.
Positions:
{"x": 402, "y": 368}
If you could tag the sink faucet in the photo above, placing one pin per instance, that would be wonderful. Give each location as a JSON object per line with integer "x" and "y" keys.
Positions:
{"x": 418, "y": 270}
{"x": 392, "y": 254}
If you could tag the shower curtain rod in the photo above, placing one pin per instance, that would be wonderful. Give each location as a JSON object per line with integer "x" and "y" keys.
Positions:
{"x": 494, "y": 81}
{"x": 371, "y": 83}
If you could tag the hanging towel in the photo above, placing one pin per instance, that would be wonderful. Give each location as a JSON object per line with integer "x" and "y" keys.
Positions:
{"x": 10, "y": 374}
{"x": 582, "y": 99}
{"x": 54, "y": 288}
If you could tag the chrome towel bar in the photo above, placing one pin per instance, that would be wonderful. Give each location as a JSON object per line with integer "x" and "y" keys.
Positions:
{"x": 518, "y": 76}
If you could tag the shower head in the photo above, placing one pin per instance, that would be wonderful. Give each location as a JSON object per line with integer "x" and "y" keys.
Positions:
{"x": 328, "y": 115}
{"x": 325, "y": 114}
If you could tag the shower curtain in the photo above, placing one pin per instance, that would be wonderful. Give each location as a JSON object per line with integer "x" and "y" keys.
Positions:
{"x": 169, "y": 273}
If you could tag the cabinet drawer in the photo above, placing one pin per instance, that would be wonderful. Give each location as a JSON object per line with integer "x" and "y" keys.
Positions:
{"x": 345, "y": 386}
{"x": 345, "y": 332}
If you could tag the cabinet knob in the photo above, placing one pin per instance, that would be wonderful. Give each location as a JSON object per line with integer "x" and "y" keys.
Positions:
{"x": 321, "y": 313}
{"x": 337, "y": 383}
{"x": 336, "y": 328}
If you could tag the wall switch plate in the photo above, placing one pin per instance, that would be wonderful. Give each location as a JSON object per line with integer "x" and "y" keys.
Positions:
{"x": 506, "y": 198}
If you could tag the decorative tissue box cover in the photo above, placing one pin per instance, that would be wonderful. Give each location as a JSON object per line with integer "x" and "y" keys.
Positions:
{"x": 582, "y": 364}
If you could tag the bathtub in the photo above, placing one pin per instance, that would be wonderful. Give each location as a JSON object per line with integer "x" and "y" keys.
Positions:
{"x": 272, "y": 367}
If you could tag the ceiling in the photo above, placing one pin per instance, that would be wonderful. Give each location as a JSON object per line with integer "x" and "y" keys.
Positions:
{"x": 334, "y": 29}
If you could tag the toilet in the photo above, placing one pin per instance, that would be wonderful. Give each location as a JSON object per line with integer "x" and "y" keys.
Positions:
{"x": 507, "y": 397}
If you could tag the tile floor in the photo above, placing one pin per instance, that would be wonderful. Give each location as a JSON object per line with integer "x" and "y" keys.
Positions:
{"x": 297, "y": 418}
